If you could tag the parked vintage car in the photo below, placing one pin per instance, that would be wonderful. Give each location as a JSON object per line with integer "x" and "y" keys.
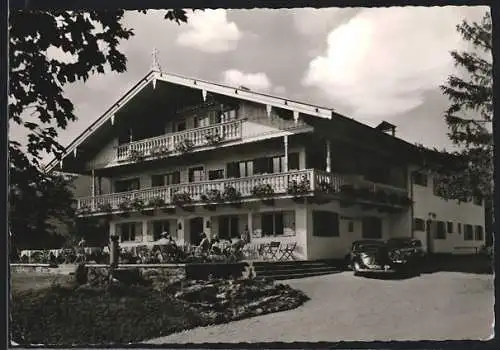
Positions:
{"x": 372, "y": 256}
{"x": 411, "y": 248}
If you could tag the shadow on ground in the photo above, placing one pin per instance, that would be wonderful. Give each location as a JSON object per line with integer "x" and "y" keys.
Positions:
{"x": 476, "y": 264}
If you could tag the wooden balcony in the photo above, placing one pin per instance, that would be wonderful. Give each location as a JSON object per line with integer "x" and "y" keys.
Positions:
{"x": 173, "y": 142}
{"x": 297, "y": 183}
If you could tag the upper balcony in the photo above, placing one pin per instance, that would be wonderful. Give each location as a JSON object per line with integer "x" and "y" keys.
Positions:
{"x": 181, "y": 142}
{"x": 310, "y": 183}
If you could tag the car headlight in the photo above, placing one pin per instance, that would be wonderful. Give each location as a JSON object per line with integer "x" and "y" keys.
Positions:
{"x": 367, "y": 260}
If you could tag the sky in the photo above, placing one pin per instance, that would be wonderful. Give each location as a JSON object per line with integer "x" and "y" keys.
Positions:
{"x": 370, "y": 64}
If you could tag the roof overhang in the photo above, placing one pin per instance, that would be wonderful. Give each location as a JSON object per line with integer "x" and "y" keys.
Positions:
{"x": 204, "y": 87}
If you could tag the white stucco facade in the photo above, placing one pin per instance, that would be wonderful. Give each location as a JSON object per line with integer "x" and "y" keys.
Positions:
{"x": 451, "y": 211}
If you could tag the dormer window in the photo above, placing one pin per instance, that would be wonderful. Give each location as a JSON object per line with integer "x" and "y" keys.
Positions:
{"x": 420, "y": 179}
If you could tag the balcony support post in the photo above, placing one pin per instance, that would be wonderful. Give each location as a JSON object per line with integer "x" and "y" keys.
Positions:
{"x": 285, "y": 141}
{"x": 92, "y": 188}
{"x": 99, "y": 185}
{"x": 328, "y": 157}
{"x": 250, "y": 223}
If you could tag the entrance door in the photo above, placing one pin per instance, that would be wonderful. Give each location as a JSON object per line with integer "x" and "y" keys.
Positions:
{"x": 429, "y": 236}
{"x": 196, "y": 229}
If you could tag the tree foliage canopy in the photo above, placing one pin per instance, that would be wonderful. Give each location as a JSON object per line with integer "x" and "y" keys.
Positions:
{"x": 470, "y": 114}
{"x": 37, "y": 101}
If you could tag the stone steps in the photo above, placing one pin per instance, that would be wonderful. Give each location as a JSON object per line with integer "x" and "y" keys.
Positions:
{"x": 294, "y": 269}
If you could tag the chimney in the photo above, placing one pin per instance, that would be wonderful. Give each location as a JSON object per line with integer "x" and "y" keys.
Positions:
{"x": 387, "y": 127}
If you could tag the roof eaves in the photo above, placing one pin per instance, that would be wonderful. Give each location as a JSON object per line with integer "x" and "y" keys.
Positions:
{"x": 104, "y": 117}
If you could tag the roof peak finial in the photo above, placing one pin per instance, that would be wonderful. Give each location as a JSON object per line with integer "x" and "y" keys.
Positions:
{"x": 155, "y": 65}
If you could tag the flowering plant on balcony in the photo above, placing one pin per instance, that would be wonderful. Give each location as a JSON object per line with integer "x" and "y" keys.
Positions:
{"x": 405, "y": 200}
{"x": 124, "y": 205}
{"x": 137, "y": 204}
{"x": 212, "y": 196}
{"x": 214, "y": 138}
{"x": 105, "y": 208}
{"x": 83, "y": 210}
{"x": 160, "y": 151}
{"x": 325, "y": 187}
{"x": 157, "y": 202}
{"x": 231, "y": 194}
{"x": 381, "y": 196}
{"x": 298, "y": 188}
{"x": 366, "y": 193}
{"x": 135, "y": 155}
{"x": 262, "y": 190}
{"x": 181, "y": 198}
{"x": 184, "y": 145}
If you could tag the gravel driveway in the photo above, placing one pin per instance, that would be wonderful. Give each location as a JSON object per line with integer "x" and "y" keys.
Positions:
{"x": 439, "y": 306}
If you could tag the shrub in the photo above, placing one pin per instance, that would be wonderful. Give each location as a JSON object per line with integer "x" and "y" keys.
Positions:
{"x": 181, "y": 198}
{"x": 212, "y": 196}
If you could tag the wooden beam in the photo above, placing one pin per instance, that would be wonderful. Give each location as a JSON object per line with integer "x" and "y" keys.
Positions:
{"x": 328, "y": 157}
{"x": 285, "y": 141}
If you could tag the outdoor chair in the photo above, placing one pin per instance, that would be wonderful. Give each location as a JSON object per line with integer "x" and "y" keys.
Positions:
{"x": 271, "y": 250}
{"x": 287, "y": 252}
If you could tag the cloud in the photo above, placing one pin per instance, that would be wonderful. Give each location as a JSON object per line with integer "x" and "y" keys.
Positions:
{"x": 254, "y": 81}
{"x": 381, "y": 61}
{"x": 209, "y": 31}
{"x": 311, "y": 21}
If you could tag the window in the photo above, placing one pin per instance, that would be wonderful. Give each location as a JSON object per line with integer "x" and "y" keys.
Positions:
{"x": 196, "y": 174}
{"x": 180, "y": 126}
{"x": 372, "y": 227}
{"x": 277, "y": 223}
{"x": 216, "y": 174}
{"x": 479, "y": 233}
{"x": 228, "y": 116}
{"x": 468, "y": 234}
{"x": 293, "y": 161}
{"x": 278, "y": 164}
{"x": 128, "y": 231}
{"x": 125, "y": 136}
{"x": 440, "y": 230}
{"x": 228, "y": 226}
{"x": 160, "y": 226}
{"x": 350, "y": 226}
{"x": 459, "y": 228}
{"x": 173, "y": 178}
{"x": 201, "y": 121}
{"x": 325, "y": 224}
{"x": 239, "y": 169}
{"x": 127, "y": 185}
{"x": 449, "y": 227}
{"x": 420, "y": 179}
{"x": 418, "y": 224}
{"x": 157, "y": 180}
{"x": 263, "y": 166}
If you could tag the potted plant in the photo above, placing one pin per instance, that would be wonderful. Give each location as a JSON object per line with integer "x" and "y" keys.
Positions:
{"x": 325, "y": 187}
{"x": 381, "y": 196}
{"x": 299, "y": 188}
{"x": 156, "y": 202}
{"x": 185, "y": 145}
{"x": 135, "y": 155}
{"x": 213, "y": 138}
{"x": 83, "y": 210}
{"x": 366, "y": 193}
{"x": 181, "y": 199}
{"x": 210, "y": 198}
{"x": 264, "y": 191}
{"x": 405, "y": 200}
{"x": 231, "y": 194}
{"x": 124, "y": 206}
{"x": 160, "y": 151}
{"x": 137, "y": 204}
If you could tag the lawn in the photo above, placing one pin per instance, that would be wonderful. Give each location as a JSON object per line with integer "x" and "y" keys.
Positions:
{"x": 53, "y": 309}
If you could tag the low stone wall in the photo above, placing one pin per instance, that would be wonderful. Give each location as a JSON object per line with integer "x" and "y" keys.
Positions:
{"x": 42, "y": 268}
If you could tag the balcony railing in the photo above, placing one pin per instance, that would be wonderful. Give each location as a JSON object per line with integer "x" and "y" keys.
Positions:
{"x": 313, "y": 179}
{"x": 229, "y": 131}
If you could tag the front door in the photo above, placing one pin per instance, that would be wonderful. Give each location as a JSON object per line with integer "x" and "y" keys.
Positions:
{"x": 196, "y": 229}
{"x": 429, "y": 236}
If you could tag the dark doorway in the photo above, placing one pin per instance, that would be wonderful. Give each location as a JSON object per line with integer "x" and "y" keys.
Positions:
{"x": 195, "y": 230}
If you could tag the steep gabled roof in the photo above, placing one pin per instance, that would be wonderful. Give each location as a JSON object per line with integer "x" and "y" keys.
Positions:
{"x": 323, "y": 119}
